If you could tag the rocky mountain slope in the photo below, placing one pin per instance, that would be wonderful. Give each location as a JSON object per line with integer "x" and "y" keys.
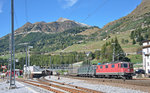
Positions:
{"x": 46, "y": 37}
{"x": 65, "y": 34}
{"x": 142, "y": 9}
{"x": 137, "y": 18}
{"x": 60, "y": 25}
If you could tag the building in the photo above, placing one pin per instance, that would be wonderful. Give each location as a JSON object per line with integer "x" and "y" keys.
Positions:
{"x": 146, "y": 56}
{"x": 18, "y": 72}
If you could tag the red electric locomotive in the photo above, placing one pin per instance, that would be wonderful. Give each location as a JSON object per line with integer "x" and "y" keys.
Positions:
{"x": 116, "y": 70}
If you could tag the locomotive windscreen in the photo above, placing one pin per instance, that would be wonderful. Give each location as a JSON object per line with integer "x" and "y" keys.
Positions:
{"x": 124, "y": 65}
{"x": 131, "y": 65}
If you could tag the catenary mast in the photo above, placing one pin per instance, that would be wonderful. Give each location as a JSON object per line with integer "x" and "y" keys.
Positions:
{"x": 12, "y": 64}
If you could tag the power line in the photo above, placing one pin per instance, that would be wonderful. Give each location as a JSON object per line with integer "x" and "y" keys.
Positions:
{"x": 69, "y": 16}
{"x": 100, "y": 6}
{"x": 16, "y": 21}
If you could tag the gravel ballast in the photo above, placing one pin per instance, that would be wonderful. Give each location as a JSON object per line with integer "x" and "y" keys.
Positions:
{"x": 98, "y": 87}
{"x": 21, "y": 88}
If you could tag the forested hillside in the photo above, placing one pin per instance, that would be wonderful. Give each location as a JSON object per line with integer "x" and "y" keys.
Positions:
{"x": 43, "y": 42}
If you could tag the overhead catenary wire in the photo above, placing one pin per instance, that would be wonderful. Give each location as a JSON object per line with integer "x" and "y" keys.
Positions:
{"x": 93, "y": 12}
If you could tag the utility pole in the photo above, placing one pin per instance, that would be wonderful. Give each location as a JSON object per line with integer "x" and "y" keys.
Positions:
{"x": 29, "y": 54}
{"x": 9, "y": 60}
{"x": 50, "y": 62}
{"x": 12, "y": 76}
{"x": 113, "y": 57}
{"x": 26, "y": 62}
{"x": 77, "y": 58}
{"x": 29, "y": 60}
{"x": 26, "y": 59}
{"x": 61, "y": 60}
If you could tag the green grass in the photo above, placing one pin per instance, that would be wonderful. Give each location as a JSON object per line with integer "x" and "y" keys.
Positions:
{"x": 137, "y": 66}
{"x": 90, "y": 46}
{"x": 95, "y": 61}
{"x": 20, "y": 76}
{"x": 135, "y": 58}
{"x": 94, "y": 45}
{"x": 62, "y": 71}
{"x": 17, "y": 56}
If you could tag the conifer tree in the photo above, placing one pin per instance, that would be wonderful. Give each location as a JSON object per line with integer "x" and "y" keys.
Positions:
{"x": 110, "y": 47}
{"x": 133, "y": 42}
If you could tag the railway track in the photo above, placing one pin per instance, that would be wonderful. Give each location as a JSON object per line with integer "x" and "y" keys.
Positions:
{"x": 137, "y": 82}
{"x": 57, "y": 87}
{"x": 80, "y": 88}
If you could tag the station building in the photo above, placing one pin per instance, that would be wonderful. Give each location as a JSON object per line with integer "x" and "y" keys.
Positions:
{"x": 146, "y": 56}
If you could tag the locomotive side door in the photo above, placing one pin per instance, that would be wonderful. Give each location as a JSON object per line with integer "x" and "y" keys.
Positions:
{"x": 119, "y": 68}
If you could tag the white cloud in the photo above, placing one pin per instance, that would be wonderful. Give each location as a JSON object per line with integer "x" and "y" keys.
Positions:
{"x": 68, "y": 3}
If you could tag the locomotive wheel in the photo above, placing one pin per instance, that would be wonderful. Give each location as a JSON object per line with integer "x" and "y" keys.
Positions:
{"x": 129, "y": 77}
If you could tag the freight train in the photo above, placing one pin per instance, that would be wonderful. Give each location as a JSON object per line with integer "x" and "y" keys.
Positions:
{"x": 108, "y": 70}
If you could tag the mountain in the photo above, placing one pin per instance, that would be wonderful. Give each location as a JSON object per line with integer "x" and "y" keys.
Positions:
{"x": 137, "y": 18}
{"x": 46, "y": 37}
{"x": 60, "y": 25}
{"x": 132, "y": 27}
{"x": 142, "y": 9}
{"x": 66, "y": 35}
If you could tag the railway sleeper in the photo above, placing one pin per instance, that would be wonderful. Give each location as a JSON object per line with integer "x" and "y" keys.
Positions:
{"x": 60, "y": 87}
{"x": 45, "y": 87}
{"x": 83, "y": 89}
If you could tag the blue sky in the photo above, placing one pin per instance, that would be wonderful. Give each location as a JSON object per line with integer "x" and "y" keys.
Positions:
{"x": 91, "y": 12}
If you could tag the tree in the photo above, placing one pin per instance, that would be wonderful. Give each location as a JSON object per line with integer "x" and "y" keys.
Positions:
{"x": 97, "y": 54}
{"x": 127, "y": 41}
{"x": 118, "y": 50}
{"x": 133, "y": 42}
{"x": 140, "y": 38}
{"x": 146, "y": 36}
{"x": 64, "y": 58}
{"x": 123, "y": 41}
{"x": 132, "y": 35}
{"x": 149, "y": 38}
{"x": 108, "y": 49}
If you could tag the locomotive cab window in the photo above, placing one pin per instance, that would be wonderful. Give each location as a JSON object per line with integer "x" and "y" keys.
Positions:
{"x": 106, "y": 66}
{"x": 101, "y": 67}
{"x": 131, "y": 65}
{"x": 124, "y": 65}
{"x": 112, "y": 66}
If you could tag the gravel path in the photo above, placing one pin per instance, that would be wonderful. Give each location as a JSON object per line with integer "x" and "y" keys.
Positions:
{"x": 98, "y": 87}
